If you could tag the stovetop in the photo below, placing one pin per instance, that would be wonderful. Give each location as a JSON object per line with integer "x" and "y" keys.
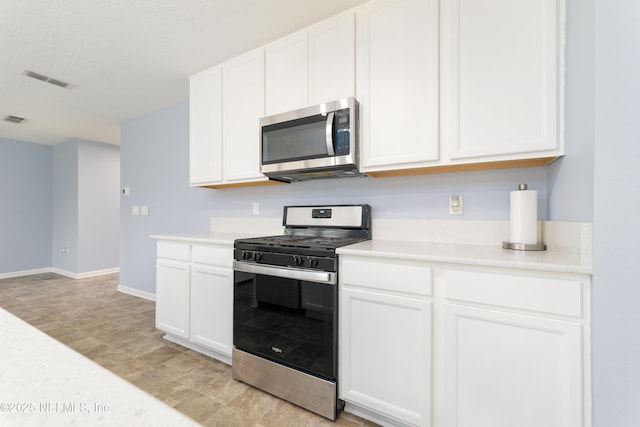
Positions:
{"x": 292, "y": 241}
{"x": 312, "y": 235}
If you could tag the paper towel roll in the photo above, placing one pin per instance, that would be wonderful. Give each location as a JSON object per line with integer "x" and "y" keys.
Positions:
{"x": 523, "y": 224}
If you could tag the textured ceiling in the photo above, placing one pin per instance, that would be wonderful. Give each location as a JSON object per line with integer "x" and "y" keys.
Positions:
{"x": 124, "y": 58}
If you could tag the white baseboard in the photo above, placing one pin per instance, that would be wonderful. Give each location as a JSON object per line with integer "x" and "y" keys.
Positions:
{"x": 136, "y": 292}
{"x": 60, "y": 272}
{"x": 85, "y": 274}
{"x": 25, "y": 273}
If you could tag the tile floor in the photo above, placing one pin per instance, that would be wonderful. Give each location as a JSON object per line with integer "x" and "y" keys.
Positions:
{"x": 117, "y": 331}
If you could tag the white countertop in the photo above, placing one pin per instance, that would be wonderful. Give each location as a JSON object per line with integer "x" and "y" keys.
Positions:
{"x": 478, "y": 255}
{"x": 475, "y": 243}
{"x": 43, "y": 382}
{"x": 223, "y": 238}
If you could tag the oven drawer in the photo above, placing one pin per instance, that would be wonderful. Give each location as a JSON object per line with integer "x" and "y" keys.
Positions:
{"x": 388, "y": 275}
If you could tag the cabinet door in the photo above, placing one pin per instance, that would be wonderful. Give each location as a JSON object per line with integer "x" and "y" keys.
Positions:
{"x": 172, "y": 297}
{"x": 385, "y": 354}
{"x": 500, "y": 76}
{"x": 332, "y": 60}
{"x": 286, "y": 74}
{"x": 205, "y": 127}
{"x": 212, "y": 307}
{"x": 504, "y": 370}
{"x": 242, "y": 106}
{"x": 397, "y": 83}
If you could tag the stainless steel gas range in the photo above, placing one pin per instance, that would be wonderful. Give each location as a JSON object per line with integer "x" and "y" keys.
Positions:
{"x": 285, "y": 315}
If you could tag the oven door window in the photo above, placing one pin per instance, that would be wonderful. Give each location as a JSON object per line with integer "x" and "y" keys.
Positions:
{"x": 288, "y": 321}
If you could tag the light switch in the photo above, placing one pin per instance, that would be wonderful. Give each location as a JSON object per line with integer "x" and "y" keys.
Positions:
{"x": 144, "y": 210}
{"x": 135, "y": 210}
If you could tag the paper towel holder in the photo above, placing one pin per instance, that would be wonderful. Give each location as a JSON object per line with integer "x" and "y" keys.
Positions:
{"x": 524, "y": 246}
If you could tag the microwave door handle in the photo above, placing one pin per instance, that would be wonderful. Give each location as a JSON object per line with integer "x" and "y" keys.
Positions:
{"x": 329, "y": 134}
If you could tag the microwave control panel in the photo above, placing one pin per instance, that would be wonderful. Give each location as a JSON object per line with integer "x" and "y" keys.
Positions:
{"x": 342, "y": 127}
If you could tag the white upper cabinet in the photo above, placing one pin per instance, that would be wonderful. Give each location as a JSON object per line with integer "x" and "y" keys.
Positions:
{"x": 501, "y": 78}
{"x": 397, "y": 83}
{"x": 286, "y": 72}
{"x": 225, "y": 105}
{"x": 332, "y": 51}
{"x": 443, "y": 86}
{"x": 243, "y": 106}
{"x": 313, "y": 66}
{"x": 205, "y": 127}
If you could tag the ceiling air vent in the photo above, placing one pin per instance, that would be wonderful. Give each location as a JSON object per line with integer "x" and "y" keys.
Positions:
{"x": 13, "y": 119}
{"x": 44, "y": 78}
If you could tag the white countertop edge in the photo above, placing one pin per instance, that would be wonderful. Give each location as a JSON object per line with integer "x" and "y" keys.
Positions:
{"x": 475, "y": 255}
{"x": 223, "y": 238}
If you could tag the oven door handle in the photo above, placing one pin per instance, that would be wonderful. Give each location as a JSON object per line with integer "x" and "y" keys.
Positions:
{"x": 328, "y": 278}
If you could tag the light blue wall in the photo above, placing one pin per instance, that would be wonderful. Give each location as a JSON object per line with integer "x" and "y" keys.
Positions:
{"x": 486, "y": 195}
{"x": 154, "y": 152}
{"x": 65, "y": 206}
{"x": 86, "y": 183}
{"x": 98, "y": 206}
{"x": 570, "y": 182}
{"x": 25, "y": 206}
{"x": 616, "y": 228}
{"x": 155, "y": 166}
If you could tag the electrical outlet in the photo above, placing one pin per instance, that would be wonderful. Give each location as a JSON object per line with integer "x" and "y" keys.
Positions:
{"x": 455, "y": 205}
{"x": 256, "y": 208}
{"x": 135, "y": 210}
{"x": 144, "y": 210}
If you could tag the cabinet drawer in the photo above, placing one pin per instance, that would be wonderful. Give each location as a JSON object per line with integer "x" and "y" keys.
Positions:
{"x": 173, "y": 250}
{"x": 543, "y": 294}
{"x": 212, "y": 255}
{"x": 386, "y": 275}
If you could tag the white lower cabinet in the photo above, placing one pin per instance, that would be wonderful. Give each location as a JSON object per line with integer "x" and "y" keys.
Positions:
{"x": 508, "y": 369}
{"x": 386, "y": 354}
{"x": 385, "y": 340}
{"x": 172, "y": 297}
{"x": 194, "y": 296}
{"x": 426, "y": 344}
{"x": 513, "y": 350}
{"x": 212, "y": 307}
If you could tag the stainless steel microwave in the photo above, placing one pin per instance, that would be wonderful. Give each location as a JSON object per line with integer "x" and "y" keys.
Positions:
{"x": 313, "y": 142}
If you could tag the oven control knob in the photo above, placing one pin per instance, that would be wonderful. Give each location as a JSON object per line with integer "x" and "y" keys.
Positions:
{"x": 258, "y": 256}
{"x": 247, "y": 254}
{"x": 313, "y": 262}
{"x": 298, "y": 260}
